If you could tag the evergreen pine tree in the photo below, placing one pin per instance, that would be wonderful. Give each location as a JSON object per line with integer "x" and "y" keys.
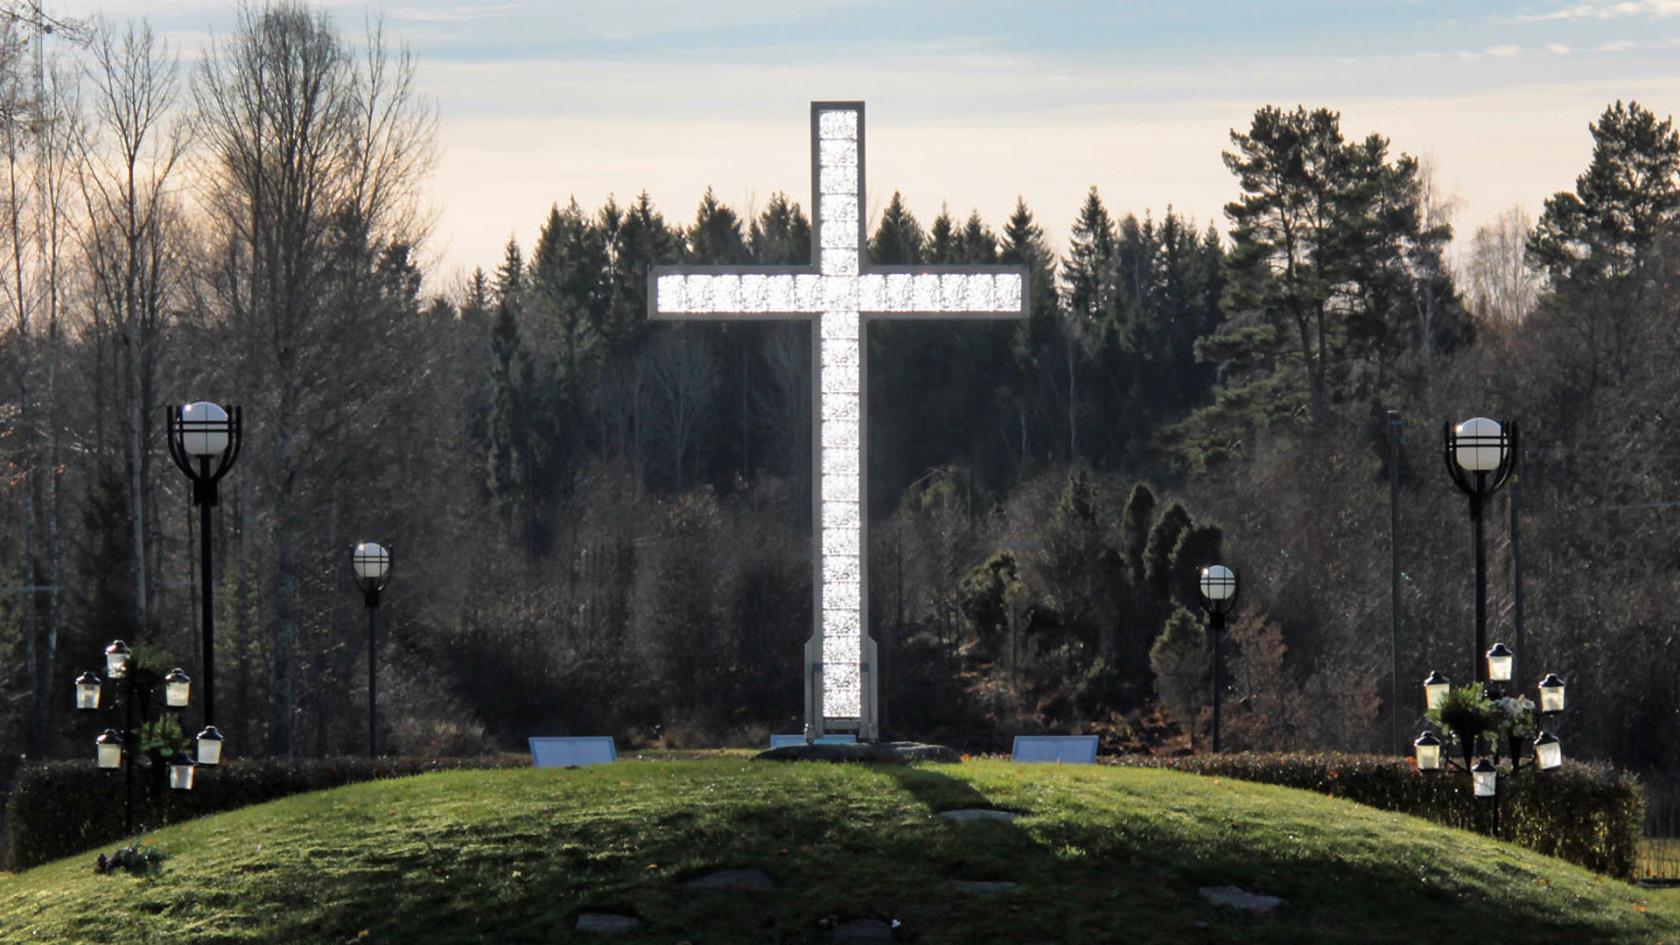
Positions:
{"x": 716, "y": 238}
{"x": 1088, "y": 271}
{"x": 1136, "y": 519}
{"x": 898, "y": 239}
{"x": 781, "y": 235}
{"x": 1181, "y": 659}
{"x": 979, "y": 243}
{"x": 944, "y": 245}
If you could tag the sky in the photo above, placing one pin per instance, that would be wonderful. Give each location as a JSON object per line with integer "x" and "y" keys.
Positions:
{"x": 972, "y": 103}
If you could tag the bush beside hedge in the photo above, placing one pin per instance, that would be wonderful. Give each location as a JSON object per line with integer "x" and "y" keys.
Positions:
{"x": 57, "y": 808}
{"x": 1587, "y": 814}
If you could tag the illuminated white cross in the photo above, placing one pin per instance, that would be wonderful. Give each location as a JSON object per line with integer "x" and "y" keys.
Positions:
{"x": 841, "y": 292}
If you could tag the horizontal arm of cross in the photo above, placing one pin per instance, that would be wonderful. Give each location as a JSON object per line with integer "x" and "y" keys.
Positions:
{"x": 924, "y": 292}
{"x": 775, "y": 293}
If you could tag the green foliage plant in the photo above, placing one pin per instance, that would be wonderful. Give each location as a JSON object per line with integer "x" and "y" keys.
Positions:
{"x": 1467, "y": 714}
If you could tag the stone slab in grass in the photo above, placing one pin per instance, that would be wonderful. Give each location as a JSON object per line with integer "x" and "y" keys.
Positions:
{"x": 863, "y": 930}
{"x": 729, "y": 880}
{"x": 606, "y": 923}
{"x": 971, "y": 814}
{"x": 1237, "y": 898}
{"x": 983, "y": 886}
{"x": 864, "y": 752}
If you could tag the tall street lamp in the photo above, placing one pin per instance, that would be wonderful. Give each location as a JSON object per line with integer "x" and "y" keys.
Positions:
{"x": 1219, "y": 595}
{"x": 1478, "y": 454}
{"x": 372, "y": 564}
{"x": 204, "y": 442}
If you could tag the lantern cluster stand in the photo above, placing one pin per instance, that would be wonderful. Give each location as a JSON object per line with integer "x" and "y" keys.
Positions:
{"x": 1479, "y": 454}
{"x": 139, "y": 689}
{"x": 1218, "y": 588}
{"x": 371, "y": 563}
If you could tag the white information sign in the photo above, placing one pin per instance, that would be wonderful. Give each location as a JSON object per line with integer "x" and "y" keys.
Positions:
{"x": 570, "y": 751}
{"x": 1056, "y": 749}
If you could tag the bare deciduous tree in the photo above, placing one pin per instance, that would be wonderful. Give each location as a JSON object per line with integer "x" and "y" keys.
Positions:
{"x": 303, "y": 140}
{"x": 1499, "y": 283}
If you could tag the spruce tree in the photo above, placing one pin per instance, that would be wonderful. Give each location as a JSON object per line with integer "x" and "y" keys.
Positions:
{"x": 1136, "y": 519}
{"x": 898, "y": 239}
{"x": 1088, "y": 270}
{"x": 716, "y": 238}
{"x": 979, "y": 243}
{"x": 781, "y": 235}
{"x": 1181, "y": 659}
{"x": 944, "y": 245}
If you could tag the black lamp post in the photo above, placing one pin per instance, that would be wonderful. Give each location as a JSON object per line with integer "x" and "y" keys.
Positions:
{"x": 1478, "y": 454}
{"x": 204, "y": 442}
{"x": 1219, "y": 594}
{"x": 372, "y": 564}
{"x": 138, "y": 689}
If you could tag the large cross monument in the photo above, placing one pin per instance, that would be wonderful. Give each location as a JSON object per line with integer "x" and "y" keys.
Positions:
{"x": 841, "y": 292}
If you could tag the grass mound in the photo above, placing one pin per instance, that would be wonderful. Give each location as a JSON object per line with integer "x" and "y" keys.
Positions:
{"x": 1096, "y": 855}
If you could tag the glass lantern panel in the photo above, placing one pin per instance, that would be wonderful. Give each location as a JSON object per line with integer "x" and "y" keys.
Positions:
{"x": 1487, "y": 782}
{"x": 1499, "y": 668}
{"x": 209, "y": 751}
{"x": 110, "y": 756}
{"x": 1551, "y": 698}
{"x": 1435, "y": 695}
{"x": 181, "y": 777}
{"x": 1428, "y": 757}
{"x": 1549, "y": 755}
{"x": 87, "y": 696}
{"x": 176, "y": 694}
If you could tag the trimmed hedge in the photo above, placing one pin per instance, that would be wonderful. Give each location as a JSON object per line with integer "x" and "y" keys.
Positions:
{"x": 58, "y": 808}
{"x": 1589, "y": 814}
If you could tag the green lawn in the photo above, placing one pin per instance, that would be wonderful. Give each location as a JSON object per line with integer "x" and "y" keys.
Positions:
{"x": 1100, "y": 855}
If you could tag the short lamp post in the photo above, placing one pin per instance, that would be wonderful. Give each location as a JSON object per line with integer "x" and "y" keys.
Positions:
{"x": 371, "y": 562}
{"x": 204, "y": 441}
{"x": 136, "y": 689}
{"x": 1219, "y": 595}
{"x": 1478, "y": 454}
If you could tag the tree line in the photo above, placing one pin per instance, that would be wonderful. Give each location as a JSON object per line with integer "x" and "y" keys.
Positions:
{"x": 601, "y": 524}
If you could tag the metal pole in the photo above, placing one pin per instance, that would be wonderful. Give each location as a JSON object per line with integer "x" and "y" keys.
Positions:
{"x": 1481, "y": 580}
{"x": 1516, "y": 564}
{"x": 206, "y": 595}
{"x": 129, "y": 744}
{"x": 1217, "y": 623}
{"x": 1394, "y": 563}
{"x": 373, "y": 697}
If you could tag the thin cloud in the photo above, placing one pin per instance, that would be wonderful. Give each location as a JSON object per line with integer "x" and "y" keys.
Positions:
{"x": 1503, "y": 52}
{"x": 1652, "y": 9}
{"x": 1558, "y": 49}
{"x": 458, "y": 14}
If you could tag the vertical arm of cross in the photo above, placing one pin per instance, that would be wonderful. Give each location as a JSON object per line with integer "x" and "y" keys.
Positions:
{"x": 840, "y": 573}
